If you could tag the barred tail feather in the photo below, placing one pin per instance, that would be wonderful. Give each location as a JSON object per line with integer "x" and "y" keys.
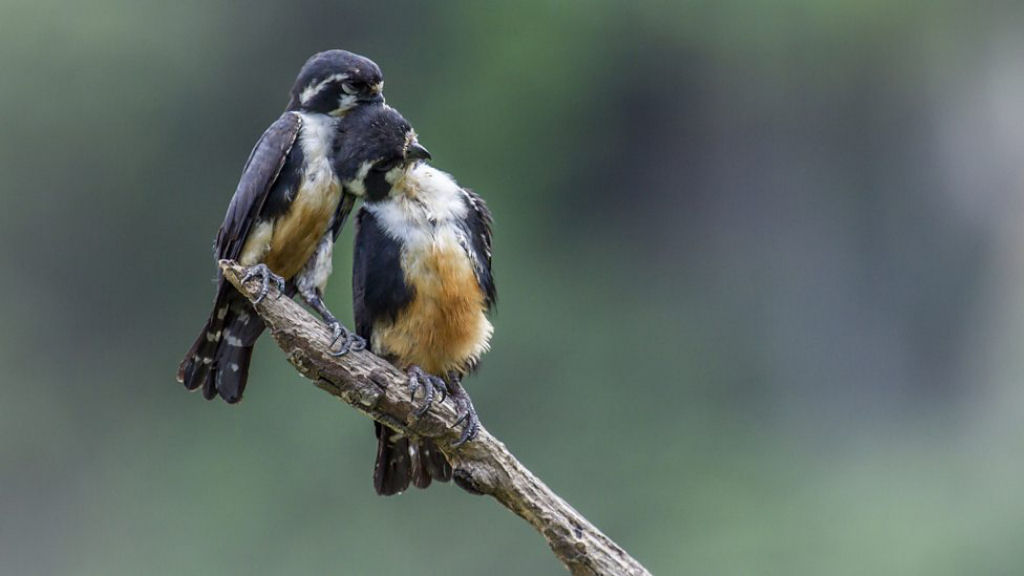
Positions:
{"x": 231, "y": 373}
{"x": 195, "y": 369}
{"x": 218, "y": 361}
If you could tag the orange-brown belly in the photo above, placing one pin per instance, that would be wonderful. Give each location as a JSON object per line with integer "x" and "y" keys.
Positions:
{"x": 288, "y": 243}
{"x": 444, "y": 327}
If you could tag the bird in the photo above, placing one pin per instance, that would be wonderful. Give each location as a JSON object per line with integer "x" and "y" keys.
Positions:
{"x": 282, "y": 221}
{"x": 422, "y": 283}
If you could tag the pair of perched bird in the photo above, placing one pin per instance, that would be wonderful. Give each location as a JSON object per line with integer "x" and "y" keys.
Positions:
{"x": 422, "y": 281}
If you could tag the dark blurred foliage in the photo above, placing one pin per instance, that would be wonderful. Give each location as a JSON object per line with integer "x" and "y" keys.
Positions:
{"x": 758, "y": 267}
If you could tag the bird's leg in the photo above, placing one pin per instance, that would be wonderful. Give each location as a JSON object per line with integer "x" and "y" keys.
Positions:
{"x": 430, "y": 384}
{"x": 349, "y": 340}
{"x": 265, "y": 275}
{"x": 465, "y": 410}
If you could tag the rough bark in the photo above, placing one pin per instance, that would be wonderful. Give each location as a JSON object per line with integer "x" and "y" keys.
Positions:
{"x": 482, "y": 466}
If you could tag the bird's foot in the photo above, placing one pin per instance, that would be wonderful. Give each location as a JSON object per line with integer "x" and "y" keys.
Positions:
{"x": 349, "y": 341}
{"x": 467, "y": 416}
{"x": 430, "y": 384}
{"x": 265, "y": 275}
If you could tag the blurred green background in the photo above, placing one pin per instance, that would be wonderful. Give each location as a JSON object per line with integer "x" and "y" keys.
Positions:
{"x": 760, "y": 269}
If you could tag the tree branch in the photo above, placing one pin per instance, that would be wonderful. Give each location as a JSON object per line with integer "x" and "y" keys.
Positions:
{"x": 482, "y": 466}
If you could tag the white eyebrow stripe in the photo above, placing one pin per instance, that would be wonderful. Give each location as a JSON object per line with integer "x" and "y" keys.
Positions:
{"x": 310, "y": 92}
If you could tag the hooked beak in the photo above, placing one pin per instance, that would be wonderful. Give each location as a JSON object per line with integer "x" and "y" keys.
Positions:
{"x": 375, "y": 96}
{"x": 417, "y": 152}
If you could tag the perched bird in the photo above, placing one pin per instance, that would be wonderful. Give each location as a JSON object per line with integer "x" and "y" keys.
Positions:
{"x": 422, "y": 282}
{"x": 283, "y": 218}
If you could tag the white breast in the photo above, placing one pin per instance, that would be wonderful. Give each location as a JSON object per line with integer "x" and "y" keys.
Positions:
{"x": 317, "y": 141}
{"x": 425, "y": 205}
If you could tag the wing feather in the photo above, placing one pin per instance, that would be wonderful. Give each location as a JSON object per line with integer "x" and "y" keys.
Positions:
{"x": 341, "y": 215}
{"x": 258, "y": 177}
{"x": 379, "y": 290}
{"x": 478, "y": 224}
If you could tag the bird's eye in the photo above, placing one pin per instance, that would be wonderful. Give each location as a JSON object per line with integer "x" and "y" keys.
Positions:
{"x": 354, "y": 87}
{"x": 386, "y": 165}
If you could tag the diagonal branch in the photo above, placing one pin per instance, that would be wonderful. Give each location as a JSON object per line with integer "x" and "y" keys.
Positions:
{"x": 482, "y": 466}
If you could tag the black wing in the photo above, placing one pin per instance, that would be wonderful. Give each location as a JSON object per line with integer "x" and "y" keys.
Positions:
{"x": 258, "y": 177}
{"x": 341, "y": 214}
{"x": 378, "y": 284}
{"x": 478, "y": 225}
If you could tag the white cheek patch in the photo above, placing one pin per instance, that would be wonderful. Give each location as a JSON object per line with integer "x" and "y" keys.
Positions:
{"x": 310, "y": 92}
{"x": 345, "y": 103}
{"x": 357, "y": 185}
{"x": 395, "y": 175}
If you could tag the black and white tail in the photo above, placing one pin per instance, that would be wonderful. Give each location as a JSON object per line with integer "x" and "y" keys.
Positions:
{"x": 218, "y": 361}
{"x": 401, "y": 461}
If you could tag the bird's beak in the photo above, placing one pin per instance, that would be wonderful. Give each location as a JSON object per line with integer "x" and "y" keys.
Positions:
{"x": 376, "y": 95}
{"x": 375, "y": 98}
{"x": 417, "y": 152}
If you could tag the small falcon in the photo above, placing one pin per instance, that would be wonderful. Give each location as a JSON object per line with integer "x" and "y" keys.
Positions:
{"x": 422, "y": 283}
{"x": 283, "y": 219}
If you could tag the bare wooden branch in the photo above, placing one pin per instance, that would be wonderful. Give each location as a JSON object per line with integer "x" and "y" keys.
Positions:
{"x": 483, "y": 466}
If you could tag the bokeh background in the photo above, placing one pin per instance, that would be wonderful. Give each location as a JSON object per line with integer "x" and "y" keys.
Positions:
{"x": 761, "y": 275}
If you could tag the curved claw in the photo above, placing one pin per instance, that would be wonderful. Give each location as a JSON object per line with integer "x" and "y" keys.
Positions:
{"x": 346, "y": 343}
{"x": 467, "y": 415}
{"x": 350, "y": 341}
{"x": 430, "y": 384}
{"x": 468, "y": 433}
{"x": 336, "y": 331}
{"x": 428, "y": 395}
{"x": 264, "y": 274}
{"x": 358, "y": 343}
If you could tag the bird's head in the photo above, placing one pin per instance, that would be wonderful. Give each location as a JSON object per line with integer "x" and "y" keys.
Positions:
{"x": 376, "y": 146}
{"x": 335, "y": 81}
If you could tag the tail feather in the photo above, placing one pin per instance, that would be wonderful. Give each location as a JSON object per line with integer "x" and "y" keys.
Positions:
{"x": 218, "y": 361}
{"x": 391, "y": 472}
{"x": 231, "y": 372}
{"x": 195, "y": 369}
{"x": 401, "y": 462}
{"x": 433, "y": 462}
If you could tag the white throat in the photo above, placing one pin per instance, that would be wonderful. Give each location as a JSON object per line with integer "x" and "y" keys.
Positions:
{"x": 317, "y": 141}
{"x": 425, "y": 201}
